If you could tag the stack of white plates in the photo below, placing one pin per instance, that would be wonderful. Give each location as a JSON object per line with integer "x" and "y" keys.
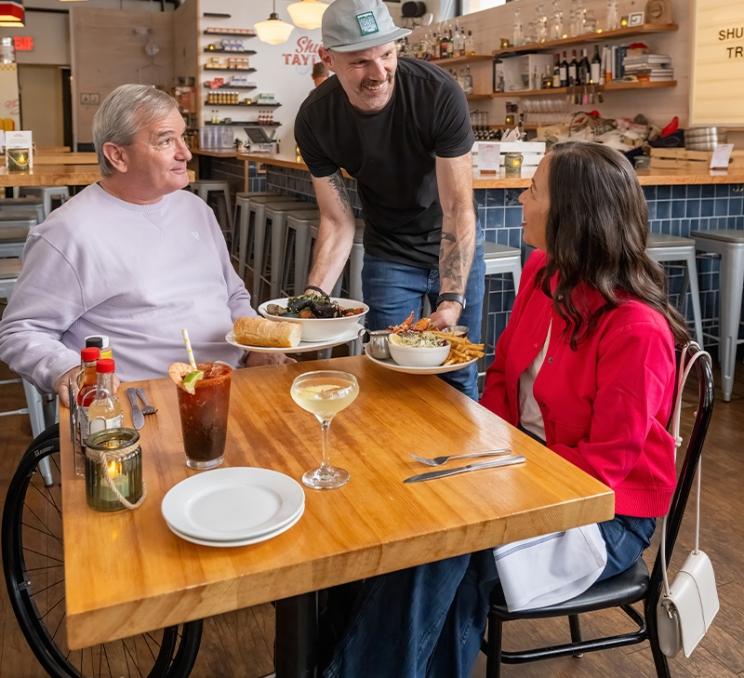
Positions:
{"x": 233, "y": 506}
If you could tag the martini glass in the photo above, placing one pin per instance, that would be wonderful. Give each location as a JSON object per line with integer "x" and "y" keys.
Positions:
{"x": 325, "y": 393}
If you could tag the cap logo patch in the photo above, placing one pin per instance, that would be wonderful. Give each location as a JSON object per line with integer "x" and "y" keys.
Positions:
{"x": 367, "y": 23}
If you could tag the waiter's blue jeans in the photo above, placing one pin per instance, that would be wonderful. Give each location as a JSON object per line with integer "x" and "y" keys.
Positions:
{"x": 428, "y": 621}
{"x": 393, "y": 290}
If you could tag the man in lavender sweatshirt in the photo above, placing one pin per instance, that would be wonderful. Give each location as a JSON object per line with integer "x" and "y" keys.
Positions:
{"x": 133, "y": 257}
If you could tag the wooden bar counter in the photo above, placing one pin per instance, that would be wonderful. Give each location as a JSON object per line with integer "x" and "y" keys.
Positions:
{"x": 51, "y": 175}
{"x": 126, "y": 573}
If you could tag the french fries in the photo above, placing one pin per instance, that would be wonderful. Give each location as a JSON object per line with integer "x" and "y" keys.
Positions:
{"x": 462, "y": 350}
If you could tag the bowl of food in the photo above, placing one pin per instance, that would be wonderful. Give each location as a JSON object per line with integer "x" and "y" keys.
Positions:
{"x": 322, "y": 318}
{"x": 418, "y": 349}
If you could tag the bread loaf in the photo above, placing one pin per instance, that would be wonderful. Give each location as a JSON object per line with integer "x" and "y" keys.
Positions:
{"x": 255, "y": 331}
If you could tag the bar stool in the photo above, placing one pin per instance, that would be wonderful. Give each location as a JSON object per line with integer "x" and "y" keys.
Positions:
{"x": 47, "y": 194}
{"x": 499, "y": 260}
{"x": 665, "y": 248}
{"x": 250, "y": 209}
{"x": 204, "y": 187}
{"x": 241, "y": 209}
{"x": 355, "y": 262}
{"x": 9, "y": 271}
{"x": 23, "y": 206}
{"x": 729, "y": 244}
{"x": 279, "y": 236}
{"x": 261, "y": 244}
{"x": 13, "y": 233}
{"x": 296, "y": 243}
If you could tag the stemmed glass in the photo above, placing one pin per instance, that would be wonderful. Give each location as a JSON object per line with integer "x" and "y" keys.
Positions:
{"x": 325, "y": 393}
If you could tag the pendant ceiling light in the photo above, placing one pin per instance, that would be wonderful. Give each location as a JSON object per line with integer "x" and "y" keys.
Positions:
{"x": 307, "y": 13}
{"x": 273, "y": 31}
{"x": 12, "y": 13}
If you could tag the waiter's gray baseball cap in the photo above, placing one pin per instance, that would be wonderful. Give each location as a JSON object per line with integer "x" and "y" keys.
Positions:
{"x": 353, "y": 25}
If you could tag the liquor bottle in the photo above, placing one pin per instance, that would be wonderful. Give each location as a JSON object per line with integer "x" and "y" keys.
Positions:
{"x": 573, "y": 71}
{"x": 470, "y": 44}
{"x": 585, "y": 69}
{"x": 434, "y": 47}
{"x": 459, "y": 41}
{"x": 596, "y": 67}
{"x": 468, "y": 81}
{"x": 450, "y": 46}
{"x": 443, "y": 50}
{"x": 105, "y": 411}
{"x": 557, "y": 71}
{"x": 564, "y": 71}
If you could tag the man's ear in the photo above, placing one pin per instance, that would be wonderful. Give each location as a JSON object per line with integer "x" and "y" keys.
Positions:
{"x": 326, "y": 56}
{"x": 116, "y": 155}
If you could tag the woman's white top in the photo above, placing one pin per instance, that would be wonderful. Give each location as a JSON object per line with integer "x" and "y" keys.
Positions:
{"x": 551, "y": 568}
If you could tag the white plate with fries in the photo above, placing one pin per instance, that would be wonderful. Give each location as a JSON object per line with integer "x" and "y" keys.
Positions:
{"x": 441, "y": 369}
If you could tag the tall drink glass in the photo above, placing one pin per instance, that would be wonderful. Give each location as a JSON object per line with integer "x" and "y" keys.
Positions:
{"x": 204, "y": 416}
{"x": 325, "y": 393}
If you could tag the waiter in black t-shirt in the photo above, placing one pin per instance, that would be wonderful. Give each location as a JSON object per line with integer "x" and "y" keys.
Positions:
{"x": 402, "y": 130}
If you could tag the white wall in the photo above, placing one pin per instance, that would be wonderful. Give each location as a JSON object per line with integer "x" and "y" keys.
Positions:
{"x": 281, "y": 69}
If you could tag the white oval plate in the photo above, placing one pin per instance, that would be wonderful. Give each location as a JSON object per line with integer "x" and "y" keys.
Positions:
{"x": 230, "y": 504}
{"x": 390, "y": 364}
{"x": 302, "y": 347}
{"x": 238, "y": 542}
{"x": 320, "y": 329}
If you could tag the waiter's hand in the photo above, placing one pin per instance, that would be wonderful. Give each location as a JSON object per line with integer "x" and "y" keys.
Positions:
{"x": 446, "y": 315}
{"x": 255, "y": 359}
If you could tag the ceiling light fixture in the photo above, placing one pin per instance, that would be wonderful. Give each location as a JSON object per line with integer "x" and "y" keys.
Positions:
{"x": 273, "y": 31}
{"x": 307, "y": 13}
{"x": 12, "y": 13}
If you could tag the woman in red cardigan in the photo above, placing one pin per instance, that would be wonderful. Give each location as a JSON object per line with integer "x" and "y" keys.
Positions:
{"x": 587, "y": 364}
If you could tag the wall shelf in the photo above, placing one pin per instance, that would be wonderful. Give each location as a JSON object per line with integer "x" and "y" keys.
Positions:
{"x": 608, "y": 87}
{"x": 229, "y": 34}
{"x": 225, "y": 68}
{"x": 254, "y": 105}
{"x": 245, "y": 123}
{"x": 230, "y": 51}
{"x": 552, "y": 45}
{"x": 459, "y": 61}
{"x": 229, "y": 86}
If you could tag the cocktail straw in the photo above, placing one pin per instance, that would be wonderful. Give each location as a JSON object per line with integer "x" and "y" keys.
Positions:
{"x": 189, "y": 350}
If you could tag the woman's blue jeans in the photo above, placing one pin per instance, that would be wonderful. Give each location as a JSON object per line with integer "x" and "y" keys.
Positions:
{"x": 392, "y": 290}
{"x": 429, "y": 620}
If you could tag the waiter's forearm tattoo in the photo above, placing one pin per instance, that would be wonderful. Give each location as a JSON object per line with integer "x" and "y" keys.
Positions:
{"x": 337, "y": 182}
{"x": 454, "y": 263}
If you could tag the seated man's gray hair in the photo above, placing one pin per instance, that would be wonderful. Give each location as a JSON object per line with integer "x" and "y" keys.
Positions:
{"x": 125, "y": 111}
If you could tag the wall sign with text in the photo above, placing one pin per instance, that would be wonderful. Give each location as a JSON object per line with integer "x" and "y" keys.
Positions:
{"x": 717, "y": 70}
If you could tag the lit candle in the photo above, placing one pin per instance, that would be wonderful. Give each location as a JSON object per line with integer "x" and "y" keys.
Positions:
{"x": 512, "y": 164}
{"x": 113, "y": 469}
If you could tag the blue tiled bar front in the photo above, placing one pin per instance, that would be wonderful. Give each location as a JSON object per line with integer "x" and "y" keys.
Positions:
{"x": 678, "y": 203}
{"x": 673, "y": 210}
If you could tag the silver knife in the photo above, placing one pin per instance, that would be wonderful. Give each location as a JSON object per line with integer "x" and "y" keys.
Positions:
{"x": 442, "y": 473}
{"x": 138, "y": 419}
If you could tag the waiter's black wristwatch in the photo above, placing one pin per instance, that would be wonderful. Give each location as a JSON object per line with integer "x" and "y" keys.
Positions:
{"x": 452, "y": 296}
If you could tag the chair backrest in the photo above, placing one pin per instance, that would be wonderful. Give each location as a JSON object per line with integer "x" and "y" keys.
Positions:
{"x": 703, "y": 371}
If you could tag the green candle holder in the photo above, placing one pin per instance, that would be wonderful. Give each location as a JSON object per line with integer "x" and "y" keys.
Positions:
{"x": 113, "y": 470}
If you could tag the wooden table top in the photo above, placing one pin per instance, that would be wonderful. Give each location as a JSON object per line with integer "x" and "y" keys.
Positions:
{"x": 126, "y": 573}
{"x": 71, "y": 158}
{"x": 51, "y": 175}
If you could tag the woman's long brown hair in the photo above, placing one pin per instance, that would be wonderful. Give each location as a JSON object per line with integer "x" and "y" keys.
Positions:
{"x": 597, "y": 230}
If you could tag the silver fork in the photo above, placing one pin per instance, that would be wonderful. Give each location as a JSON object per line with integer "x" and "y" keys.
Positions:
{"x": 147, "y": 408}
{"x": 438, "y": 461}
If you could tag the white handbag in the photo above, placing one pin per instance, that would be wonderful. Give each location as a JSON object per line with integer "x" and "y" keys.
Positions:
{"x": 686, "y": 609}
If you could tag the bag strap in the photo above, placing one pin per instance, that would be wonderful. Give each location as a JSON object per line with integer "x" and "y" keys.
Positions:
{"x": 686, "y": 364}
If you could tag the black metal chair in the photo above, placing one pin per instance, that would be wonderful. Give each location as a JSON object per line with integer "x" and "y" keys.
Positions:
{"x": 632, "y": 586}
{"x": 33, "y": 564}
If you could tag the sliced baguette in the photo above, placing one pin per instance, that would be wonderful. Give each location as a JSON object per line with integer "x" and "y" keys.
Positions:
{"x": 255, "y": 331}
